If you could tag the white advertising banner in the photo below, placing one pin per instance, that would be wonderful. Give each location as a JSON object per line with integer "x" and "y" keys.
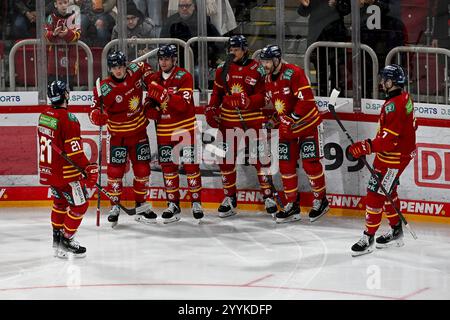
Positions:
{"x": 426, "y": 177}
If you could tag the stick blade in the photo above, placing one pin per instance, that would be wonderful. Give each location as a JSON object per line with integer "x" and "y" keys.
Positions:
{"x": 333, "y": 98}
{"x": 411, "y": 231}
{"x": 97, "y": 86}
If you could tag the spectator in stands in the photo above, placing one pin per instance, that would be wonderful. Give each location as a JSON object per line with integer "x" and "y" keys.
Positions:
{"x": 138, "y": 26}
{"x": 153, "y": 10}
{"x": 326, "y": 23}
{"x": 183, "y": 25}
{"x": 97, "y": 21}
{"x": 24, "y": 20}
{"x": 382, "y": 40}
{"x": 224, "y": 21}
{"x": 61, "y": 29}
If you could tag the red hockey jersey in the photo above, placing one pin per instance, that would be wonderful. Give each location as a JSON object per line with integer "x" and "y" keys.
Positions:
{"x": 247, "y": 78}
{"x": 122, "y": 101}
{"x": 177, "y": 115}
{"x": 60, "y": 127}
{"x": 291, "y": 92}
{"x": 60, "y": 56}
{"x": 396, "y": 137}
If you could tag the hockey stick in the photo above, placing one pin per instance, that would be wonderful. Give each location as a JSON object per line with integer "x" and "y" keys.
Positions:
{"x": 100, "y": 139}
{"x": 99, "y": 187}
{"x": 372, "y": 171}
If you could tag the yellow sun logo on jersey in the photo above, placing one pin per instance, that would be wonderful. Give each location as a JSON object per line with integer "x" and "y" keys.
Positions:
{"x": 133, "y": 104}
{"x": 279, "y": 106}
{"x": 163, "y": 106}
{"x": 236, "y": 88}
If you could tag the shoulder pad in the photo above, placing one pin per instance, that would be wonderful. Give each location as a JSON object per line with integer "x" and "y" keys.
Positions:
{"x": 287, "y": 74}
{"x": 390, "y": 107}
{"x": 409, "y": 106}
{"x": 261, "y": 71}
{"x": 180, "y": 74}
{"x": 72, "y": 117}
{"x": 105, "y": 88}
{"x": 133, "y": 67}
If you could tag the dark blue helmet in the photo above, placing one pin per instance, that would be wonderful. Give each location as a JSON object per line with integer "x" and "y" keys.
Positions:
{"x": 56, "y": 92}
{"x": 269, "y": 52}
{"x": 167, "y": 50}
{"x": 238, "y": 41}
{"x": 395, "y": 73}
{"x": 116, "y": 59}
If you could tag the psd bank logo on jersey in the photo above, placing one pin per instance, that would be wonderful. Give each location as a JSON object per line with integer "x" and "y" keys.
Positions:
{"x": 432, "y": 165}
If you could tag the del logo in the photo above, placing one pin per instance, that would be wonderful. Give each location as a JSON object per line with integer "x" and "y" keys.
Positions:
{"x": 432, "y": 165}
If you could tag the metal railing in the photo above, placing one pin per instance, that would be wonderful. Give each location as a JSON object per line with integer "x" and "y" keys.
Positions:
{"x": 345, "y": 46}
{"x": 143, "y": 41}
{"x": 35, "y": 42}
{"x": 427, "y": 72}
{"x": 202, "y": 73}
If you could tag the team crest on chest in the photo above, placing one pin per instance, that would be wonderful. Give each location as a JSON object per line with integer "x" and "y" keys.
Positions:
{"x": 236, "y": 88}
{"x": 279, "y": 106}
{"x": 119, "y": 99}
{"x": 133, "y": 104}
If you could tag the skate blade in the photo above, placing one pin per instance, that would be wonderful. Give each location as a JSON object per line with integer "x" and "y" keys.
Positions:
{"x": 392, "y": 244}
{"x": 293, "y": 218}
{"x": 360, "y": 253}
{"x": 199, "y": 218}
{"x": 145, "y": 221}
{"x": 69, "y": 255}
{"x": 171, "y": 220}
{"x": 318, "y": 217}
{"x": 200, "y": 221}
{"x": 227, "y": 214}
{"x": 114, "y": 224}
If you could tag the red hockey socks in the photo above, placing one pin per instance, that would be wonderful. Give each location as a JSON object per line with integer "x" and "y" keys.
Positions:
{"x": 115, "y": 188}
{"x": 172, "y": 183}
{"x": 228, "y": 179}
{"x": 140, "y": 188}
{"x": 373, "y": 219}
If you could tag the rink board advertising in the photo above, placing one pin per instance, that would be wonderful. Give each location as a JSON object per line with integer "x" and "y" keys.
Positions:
{"x": 424, "y": 186}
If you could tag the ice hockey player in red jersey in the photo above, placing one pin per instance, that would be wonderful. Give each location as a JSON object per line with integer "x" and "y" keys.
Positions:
{"x": 171, "y": 104}
{"x": 61, "y": 128}
{"x": 123, "y": 113}
{"x": 240, "y": 95}
{"x": 300, "y": 132}
{"x": 394, "y": 146}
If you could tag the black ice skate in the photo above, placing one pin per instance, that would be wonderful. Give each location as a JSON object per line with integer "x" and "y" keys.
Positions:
{"x": 172, "y": 213}
{"x": 393, "y": 238}
{"x": 364, "y": 245}
{"x": 319, "y": 208}
{"x": 226, "y": 208}
{"x": 56, "y": 241}
{"x": 69, "y": 247}
{"x": 290, "y": 213}
{"x": 197, "y": 210}
{"x": 114, "y": 215}
{"x": 271, "y": 206}
{"x": 147, "y": 216}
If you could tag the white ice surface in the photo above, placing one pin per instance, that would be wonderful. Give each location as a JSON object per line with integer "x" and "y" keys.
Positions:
{"x": 247, "y": 256}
